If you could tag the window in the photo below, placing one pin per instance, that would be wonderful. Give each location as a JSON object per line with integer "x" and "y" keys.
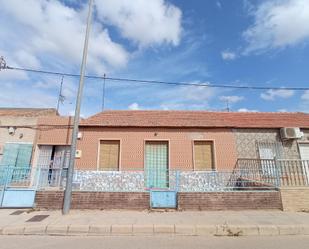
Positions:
{"x": 109, "y": 155}
{"x": 203, "y": 155}
{"x": 268, "y": 151}
{"x": 17, "y": 154}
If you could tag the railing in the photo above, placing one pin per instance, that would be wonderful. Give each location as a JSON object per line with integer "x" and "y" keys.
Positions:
{"x": 140, "y": 180}
{"x": 50, "y": 178}
{"x": 288, "y": 173}
{"x": 293, "y": 172}
{"x": 11, "y": 176}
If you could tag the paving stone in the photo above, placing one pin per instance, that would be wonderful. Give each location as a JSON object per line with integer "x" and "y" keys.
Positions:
{"x": 142, "y": 229}
{"x": 57, "y": 229}
{"x": 13, "y": 230}
{"x": 305, "y": 230}
{"x": 233, "y": 230}
{"x": 185, "y": 229}
{"x": 122, "y": 229}
{"x": 36, "y": 229}
{"x": 99, "y": 230}
{"x": 167, "y": 229}
{"x": 78, "y": 229}
{"x": 268, "y": 230}
{"x": 206, "y": 229}
{"x": 290, "y": 230}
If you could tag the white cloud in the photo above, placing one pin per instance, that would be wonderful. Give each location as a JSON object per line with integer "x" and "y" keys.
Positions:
{"x": 231, "y": 99}
{"x": 134, "y": 106}
{"x": 277, "y": 24}
{"x": 246, "y": 110}
{"x": 281, "y": 93}
{"x": 305, "y": 96}
{"x": 13, "y": 96}
{"x": 227, "y": 55}
{"x": 142, "y": 21}
{"x": 282, "y": 110}
{"x": 218, "y": 4}
{"x": 187, "y": 97}
{"x": 44, "y": 29}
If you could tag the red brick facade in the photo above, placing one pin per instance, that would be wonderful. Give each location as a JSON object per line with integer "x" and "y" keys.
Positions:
{"x": 207, "y": 201}
{"x": 94, "y": 200}
{"x": 241, "y": 200}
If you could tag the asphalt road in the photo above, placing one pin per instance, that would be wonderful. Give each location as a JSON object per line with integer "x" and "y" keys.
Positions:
{"x": 157, "y": 242}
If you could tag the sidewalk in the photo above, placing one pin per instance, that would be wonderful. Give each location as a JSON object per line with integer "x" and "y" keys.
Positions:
{"x": 219, "y": 223}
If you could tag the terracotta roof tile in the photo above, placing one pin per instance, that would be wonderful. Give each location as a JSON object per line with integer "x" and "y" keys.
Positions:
{"x": 197, "y": 119}
{"x": 27, "y": 112}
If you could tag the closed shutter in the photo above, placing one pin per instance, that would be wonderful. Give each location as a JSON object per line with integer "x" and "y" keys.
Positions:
{"x": 109, "y": 155}
{"x": 203, "y": 155}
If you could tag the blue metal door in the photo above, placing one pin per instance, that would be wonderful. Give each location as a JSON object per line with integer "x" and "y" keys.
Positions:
{"x": 163, "y": 199}
{"x": 15, "y": 190}
{"x": 18, "y": 198}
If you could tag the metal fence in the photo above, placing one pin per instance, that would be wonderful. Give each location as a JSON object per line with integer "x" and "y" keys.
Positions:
{"x": 140, "y": 180}
{"x": 11, "y": 176}
{"x": 288, "y": 172}
{"x": 249, "y": 174}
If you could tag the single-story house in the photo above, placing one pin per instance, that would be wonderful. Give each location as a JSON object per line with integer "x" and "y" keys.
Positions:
{"x": 122, "y": 156}
{"x": 162, "y": 141}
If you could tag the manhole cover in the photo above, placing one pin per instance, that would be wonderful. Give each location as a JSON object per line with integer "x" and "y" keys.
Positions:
{"x": 37, "y": 218}
{"x": 17, "y": 212}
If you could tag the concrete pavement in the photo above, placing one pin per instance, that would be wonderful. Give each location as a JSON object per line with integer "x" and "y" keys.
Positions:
{"x": 104, "y": 223}
{"x": 153, "y": 242}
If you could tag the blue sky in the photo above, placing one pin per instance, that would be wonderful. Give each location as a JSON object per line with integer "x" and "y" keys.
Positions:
{"x": 239, "y": 42}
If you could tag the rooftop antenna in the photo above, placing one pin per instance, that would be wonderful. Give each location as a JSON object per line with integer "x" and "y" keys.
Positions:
{"x": 227, "y": 105}
{"x": 103, "y": 93}
{"x": 61, "y": 98}
{"x": 2, "y": 63}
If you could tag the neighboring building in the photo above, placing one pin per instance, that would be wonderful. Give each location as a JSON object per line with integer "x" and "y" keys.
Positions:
{"x": 18, "y": 127}
{"x": 162, "y": 141}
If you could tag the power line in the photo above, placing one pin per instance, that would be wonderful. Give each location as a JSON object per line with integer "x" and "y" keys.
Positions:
{"x": 139, "y": 81}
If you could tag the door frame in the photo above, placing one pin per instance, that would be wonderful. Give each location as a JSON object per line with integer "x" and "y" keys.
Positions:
{"x": 168, "y": 154}
{"x": 168, "y": 151}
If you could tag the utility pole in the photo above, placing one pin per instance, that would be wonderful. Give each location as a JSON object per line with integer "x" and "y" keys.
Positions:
{"x": 60, "y": 97}
{"x": 68, "y": 189}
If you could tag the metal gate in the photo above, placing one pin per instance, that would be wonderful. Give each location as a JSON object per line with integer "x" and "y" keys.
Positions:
{"x": 15, "y": 190}
{"x": 160, "y": 181}
{"x": 165, "y": 197}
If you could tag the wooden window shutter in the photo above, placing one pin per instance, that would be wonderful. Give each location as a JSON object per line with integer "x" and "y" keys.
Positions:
{"x": 203, "y": 155}
{"x": 109, "y": 155}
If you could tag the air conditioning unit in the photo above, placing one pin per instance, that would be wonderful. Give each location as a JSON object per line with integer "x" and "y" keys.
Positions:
{"x": 290, "y": 133}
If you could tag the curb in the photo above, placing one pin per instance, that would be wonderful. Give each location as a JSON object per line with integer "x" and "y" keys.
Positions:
{"x": 157, "y": 229}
